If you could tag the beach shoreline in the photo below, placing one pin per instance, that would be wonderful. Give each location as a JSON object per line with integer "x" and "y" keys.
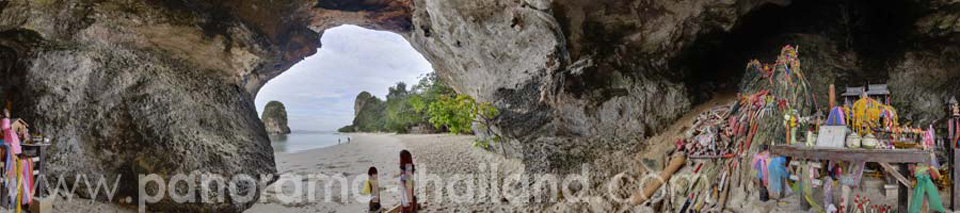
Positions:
{"x": 443, "y": 155}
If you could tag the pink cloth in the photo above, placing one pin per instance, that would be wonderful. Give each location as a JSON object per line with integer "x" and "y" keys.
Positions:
{"x": 761, "y": 160}
{"x": 10, "y": 137}
{"x": 27, "y": 198}
{"x": 952, "y": 133}
{"x": 928, "y": 137}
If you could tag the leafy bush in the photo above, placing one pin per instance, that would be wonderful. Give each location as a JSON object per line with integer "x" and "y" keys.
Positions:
{"x": 430, "y": 101}
{"x": 459, "y": 113}
{"x": 402, "y": 109}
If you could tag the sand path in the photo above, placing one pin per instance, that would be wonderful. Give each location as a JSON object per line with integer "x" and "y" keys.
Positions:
{"x": 351, "y": 160}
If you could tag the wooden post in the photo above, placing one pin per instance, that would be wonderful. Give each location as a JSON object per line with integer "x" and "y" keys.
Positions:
{"x": 896, "y": 174}
{"x": 902, "y": 205}
{"x": 804, "y": 180}
{"x": 833, "y": 97}
{"x": 650, "y": 189}
{"x": 42, "y": 172}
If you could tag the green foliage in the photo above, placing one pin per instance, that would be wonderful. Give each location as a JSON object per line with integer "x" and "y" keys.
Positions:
{"x": 430, "y": 101}
{"x": 402, "y": 109}
{"x": 400, "y": 112}
{"x": 459, "y": 113}
{"x": 274, "y": 109}
{"x": 418, "y": 103}
{"x": 485, "y": 144}
{"x": 454, "y": 113}
{"x": 370, "y": 116}
{"x": 348, "y": 128}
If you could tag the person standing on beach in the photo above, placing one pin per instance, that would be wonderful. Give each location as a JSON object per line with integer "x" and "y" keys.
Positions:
{"x": 408, "y": 201}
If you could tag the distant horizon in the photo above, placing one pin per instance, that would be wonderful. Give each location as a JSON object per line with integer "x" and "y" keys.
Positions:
{"x": 312, "y": 131}
{"x": 318, "y": 92}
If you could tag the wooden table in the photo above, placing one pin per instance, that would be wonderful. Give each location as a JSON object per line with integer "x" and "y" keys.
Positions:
{"x": 843, "y": 154}
{"x": 902, "y": 157}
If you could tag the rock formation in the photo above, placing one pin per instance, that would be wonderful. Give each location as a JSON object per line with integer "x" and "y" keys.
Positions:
{"x": 128, "y": 88}
{"x": 368, "y": 111}
{"x": 275, "y": 118}
{"x": 580, "y": 79}
{"x": 166, "y": 87}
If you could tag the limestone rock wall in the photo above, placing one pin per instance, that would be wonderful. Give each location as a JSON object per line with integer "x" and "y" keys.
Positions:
{"x": 578, "y": 80}
{"x": 125, "y": 88}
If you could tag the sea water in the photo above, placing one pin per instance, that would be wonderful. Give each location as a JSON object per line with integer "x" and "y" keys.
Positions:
{"x": 298, "y": 141}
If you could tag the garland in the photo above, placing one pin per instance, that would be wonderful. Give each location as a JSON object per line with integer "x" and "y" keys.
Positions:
{"x": 868, "y": 115}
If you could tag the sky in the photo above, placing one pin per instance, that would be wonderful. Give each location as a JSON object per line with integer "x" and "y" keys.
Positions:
{"x": 319, "y": 91}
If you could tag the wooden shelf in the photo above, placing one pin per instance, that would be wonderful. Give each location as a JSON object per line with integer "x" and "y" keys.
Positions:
{"x": 853, "y": 155}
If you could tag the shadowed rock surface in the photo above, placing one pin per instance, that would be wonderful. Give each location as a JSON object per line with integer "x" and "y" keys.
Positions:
{"x": 149, "y": 87}
{"x": 160, "y": 86}
{"x": 275, "y": 118}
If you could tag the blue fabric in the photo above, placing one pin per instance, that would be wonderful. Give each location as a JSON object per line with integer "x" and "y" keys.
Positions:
{"x": 778, "y": 172}
{"x": 836, "y": 117}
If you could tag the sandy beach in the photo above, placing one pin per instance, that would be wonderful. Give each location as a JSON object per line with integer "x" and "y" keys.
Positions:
{"x": 441, "y": 154}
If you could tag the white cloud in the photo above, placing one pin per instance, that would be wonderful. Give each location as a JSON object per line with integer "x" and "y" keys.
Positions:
{"x": 319, "y": 91}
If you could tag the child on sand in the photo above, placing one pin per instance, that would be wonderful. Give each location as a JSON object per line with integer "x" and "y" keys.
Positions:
{"x": 372, "y": 188}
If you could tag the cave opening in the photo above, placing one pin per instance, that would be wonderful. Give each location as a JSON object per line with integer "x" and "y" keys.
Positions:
{"x": 861, "y": 38}
{"x": 318, "y": 92}
{"x": 16, "y": 45}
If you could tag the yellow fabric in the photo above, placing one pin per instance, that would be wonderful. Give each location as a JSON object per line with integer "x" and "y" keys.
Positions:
{"x": 807, "y": 187}
{"x": 920, "y": 169}
{"x": 19, "y": 168}
{"x": 366, "y": 188}
{"x": 865, "y": 115}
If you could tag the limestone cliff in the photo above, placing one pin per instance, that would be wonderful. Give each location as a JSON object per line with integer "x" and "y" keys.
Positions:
{"x": 368, "y": 113}
{"x": 130, "y": 87}
{"x": 274, "y": 118}
{"x": 578, "y": 80}
{"x": 126, "y": 88}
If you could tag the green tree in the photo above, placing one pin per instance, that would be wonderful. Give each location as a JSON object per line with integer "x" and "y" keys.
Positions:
{"x": 430, "y": 89}
{"x": 370, "y": 113}
{"x": 402, "y": 108}
{"x": 458, "y": 113}
{"x": 400, "y": 112}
